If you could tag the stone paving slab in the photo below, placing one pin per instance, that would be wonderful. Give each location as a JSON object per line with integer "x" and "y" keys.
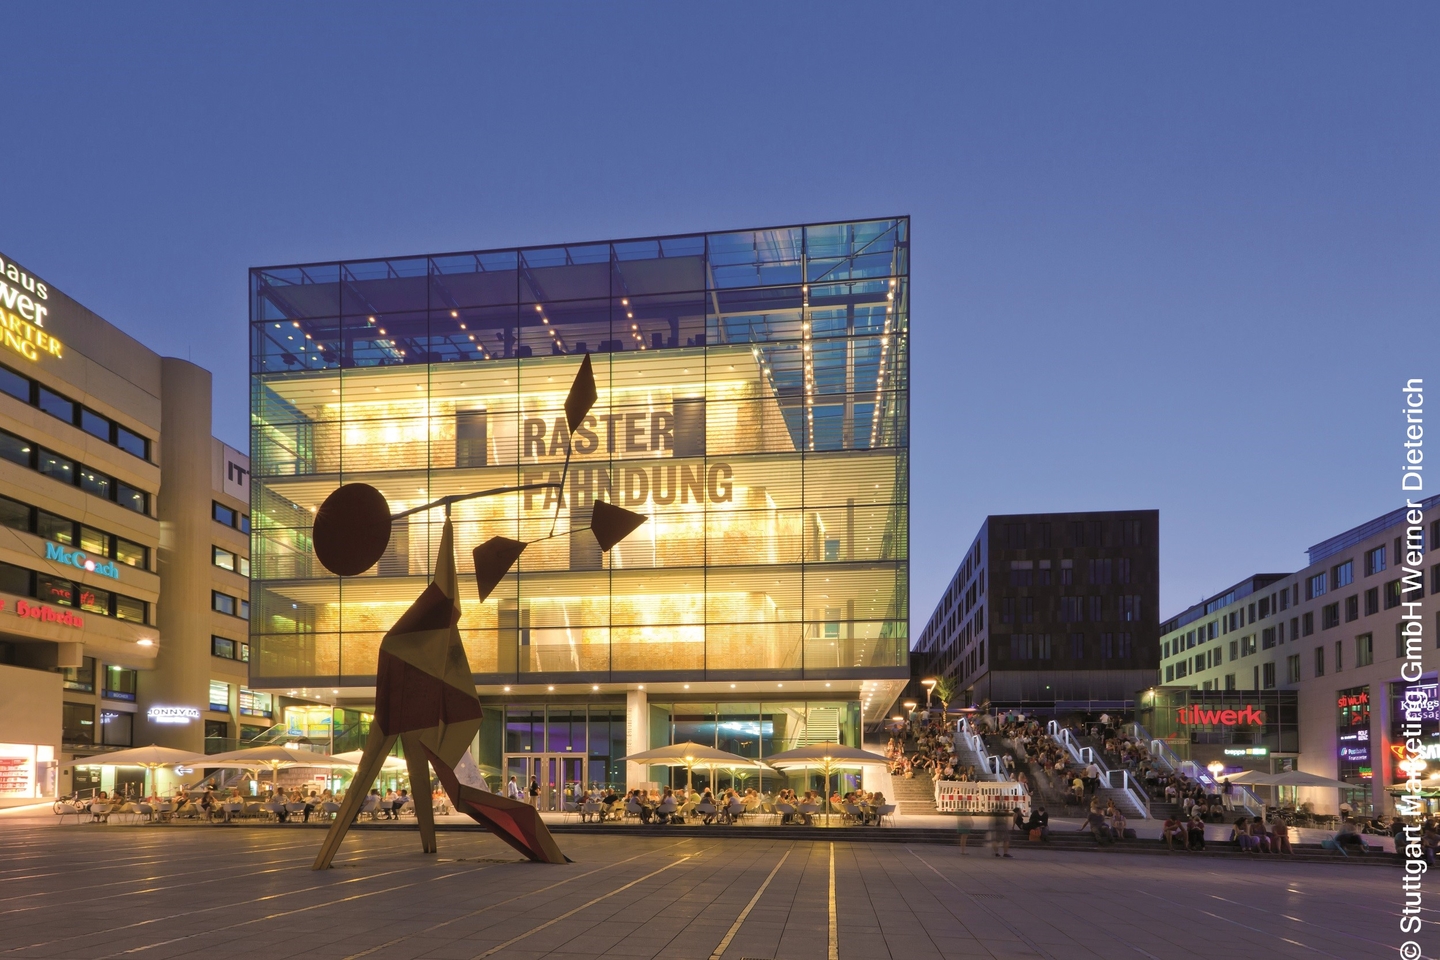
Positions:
{"x": 160, "y": 894}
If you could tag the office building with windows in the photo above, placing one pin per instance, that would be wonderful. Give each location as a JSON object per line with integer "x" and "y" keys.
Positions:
{"x": 110, "y": 562}
{"x": 1331, "y": 638}
{"x": 753, "y": 404}
{"x": 1051, "y": 612}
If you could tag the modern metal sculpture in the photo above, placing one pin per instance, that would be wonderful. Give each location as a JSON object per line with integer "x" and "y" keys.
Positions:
{"x": 424, "y": 691}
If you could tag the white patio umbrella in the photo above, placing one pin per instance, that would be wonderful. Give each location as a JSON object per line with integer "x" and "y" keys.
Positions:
{"x": 690, "y": 755}
{"x": 1299, "y": 778}
{"x": 1252, "y": 778}
{"x": 151, "y": 758}
{"x": 827, "y": 757}
{"x": 272, "y": 756}
{"x": 352, "y": 757}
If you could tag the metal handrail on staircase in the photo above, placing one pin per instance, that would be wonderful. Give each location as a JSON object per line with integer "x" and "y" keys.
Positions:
{"x": 1078, "y": 752}
{"x": 990, "y": 763}
{"x": 1129, "y": 786}
{"x": 1161, "y": 751}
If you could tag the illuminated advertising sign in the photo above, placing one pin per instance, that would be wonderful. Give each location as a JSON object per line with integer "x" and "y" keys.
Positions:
{"x": 1247, "y": 751}
{"x": 79, "y": 559}
{"x": 38, "y": 611}
{"x": 1246, "y": 716}
{"x": 173, "y": 714}
{"x": 24, "y": 304}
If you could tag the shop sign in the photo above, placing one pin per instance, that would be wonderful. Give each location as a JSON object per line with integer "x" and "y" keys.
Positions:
{"x": 107, "y": 715}
{"x": 173, "y": 714}
{"x": 38, "y": 611}
{"x": 1246, "y": 716}
{"x": 1247, "y": 751}
{"x": 81, "y": 560}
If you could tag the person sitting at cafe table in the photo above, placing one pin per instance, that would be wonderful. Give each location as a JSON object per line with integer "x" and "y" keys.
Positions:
{"x": 667, "y": 807}
{"x": 401, "y": 798}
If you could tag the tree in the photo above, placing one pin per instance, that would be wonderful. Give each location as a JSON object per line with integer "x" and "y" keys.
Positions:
{"x": 944, "y": 691}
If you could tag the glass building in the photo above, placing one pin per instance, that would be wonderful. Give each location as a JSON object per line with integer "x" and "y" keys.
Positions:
{"x": 753, "y": 403}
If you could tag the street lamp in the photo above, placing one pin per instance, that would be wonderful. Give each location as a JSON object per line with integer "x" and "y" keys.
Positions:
{"x": 910, "y": 706}
{"x": 929, "y": 684}
{"x": 1216, "y": 768}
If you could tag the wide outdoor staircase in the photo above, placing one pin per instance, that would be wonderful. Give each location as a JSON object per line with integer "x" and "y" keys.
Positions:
{"x": 915, "y": 795}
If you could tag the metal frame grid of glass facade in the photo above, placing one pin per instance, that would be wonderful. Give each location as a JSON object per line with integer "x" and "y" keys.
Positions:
{"x": 754, "y": 404}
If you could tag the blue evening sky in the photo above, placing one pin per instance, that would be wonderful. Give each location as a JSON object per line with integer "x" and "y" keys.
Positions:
{"x": 1165, "y": 255}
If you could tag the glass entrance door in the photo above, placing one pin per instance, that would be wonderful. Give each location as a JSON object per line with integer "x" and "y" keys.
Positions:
{"x": 559, "y": 779}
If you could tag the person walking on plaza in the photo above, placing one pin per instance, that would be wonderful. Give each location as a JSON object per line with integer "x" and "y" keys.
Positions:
{"x": 513, "y": 791}
{"x": 534, "y": 792}
{"x": 999, "y": 831}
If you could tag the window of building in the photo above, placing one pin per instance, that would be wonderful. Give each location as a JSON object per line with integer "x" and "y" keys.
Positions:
{"x": 14, "y": 384}
{"x": 1267, "y": 638}
{"x": 119, "y": 683}
{"x": 1234, "y": 650}
{"x": 1339, "y": 656}
{"x": 1352, "y": 608}
{"x": 14, "y": 514}
{"x": 128, "y": 608}
{"x": 1229, "y": 681}
{"x": 1307, "y": 623}
{"x": 222, "y": 647}
{"x": 1319, "y": 661}
{"x": 78, "y": 723}
{"x": 1435, "y": 579}
{"x": 1392, "y": 594}
{"x": 132, "y": 442}
{"x": 1315, "y": 586}
{"x": 132, "y": 554}
{"x": 1267, "y": 676}
{"x": 1374, "y": 560}
{"x": 1129, "y": 607}
{"x": 1097, "y": 609}
{"x": 222, "y": 514}
{"x": 1342, "y": 575}
{"x": 1292, "y": 668}
{"x": 81, "y": 678}
{"x": 1072, "y": 609}
{"x": 222, "y": 603}
{"x": 1364, "y": 650}
{"x": 220, "y": 696}
{"x": 1022, "y": 573}
{"x": 1372, "y": 601}
{"x": 1130, "y": 534}
{"x": 222, "y": 558}
{"x": 15, "y": 450}
{"x": 1101, "y": 571}
{"x": 1170, "y": 674}
{"x": 55, "y": 405}
{"x": 1077, "y": 646}
{"x": 117, "y": 728}
{"x": 93, "y": 600}
{"x": 244, "y": 610}
{"x": 1329, "y": 616}
{"x": 252, "y": 704}
{"x": 1067, "y": 573}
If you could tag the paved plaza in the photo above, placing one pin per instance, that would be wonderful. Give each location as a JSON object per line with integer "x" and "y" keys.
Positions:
{"x": 158, "y": 892}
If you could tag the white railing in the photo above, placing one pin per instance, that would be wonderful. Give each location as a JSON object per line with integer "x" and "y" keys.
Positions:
{"x": 1245, "y": 798}
{"x": 975, "y": 796}
{"x": 992, "y": 765}
{"x": 1132, "y": 788}
{"x": 1062, "y": 735}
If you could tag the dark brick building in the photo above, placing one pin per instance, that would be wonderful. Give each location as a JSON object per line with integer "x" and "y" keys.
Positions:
{"x": 1051, "y": 611}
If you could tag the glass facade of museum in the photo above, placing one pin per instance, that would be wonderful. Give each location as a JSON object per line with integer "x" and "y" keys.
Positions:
{"x": 753, "y": 403}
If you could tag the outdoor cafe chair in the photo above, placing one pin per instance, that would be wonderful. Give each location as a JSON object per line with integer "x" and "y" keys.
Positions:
{"x": 99, "y": 813}
{"x": 295, "y": 808}
{"x": 851, "y": 813}
{"x": 330, "y": 808}
{"x": 368, "y": 806}
{"x": 885, "y": 811}
{"x": 231, "y": 809}
{"x": 632, "y": 807}
{"x": 146, "y": 811}
{"x": 163, "y": 810}
{"x": 706, "y": 810}
{"x": 785, "y": 810}
{"x": 666, "y": 809}
{"x": 274, "y": 809}
{"x": 590, "y": 810}
{"x": 807, "y": 812}
{"x": 734, "y": 811}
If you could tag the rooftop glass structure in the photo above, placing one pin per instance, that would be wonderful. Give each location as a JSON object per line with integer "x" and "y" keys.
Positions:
{"x": 753, "y": 403}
